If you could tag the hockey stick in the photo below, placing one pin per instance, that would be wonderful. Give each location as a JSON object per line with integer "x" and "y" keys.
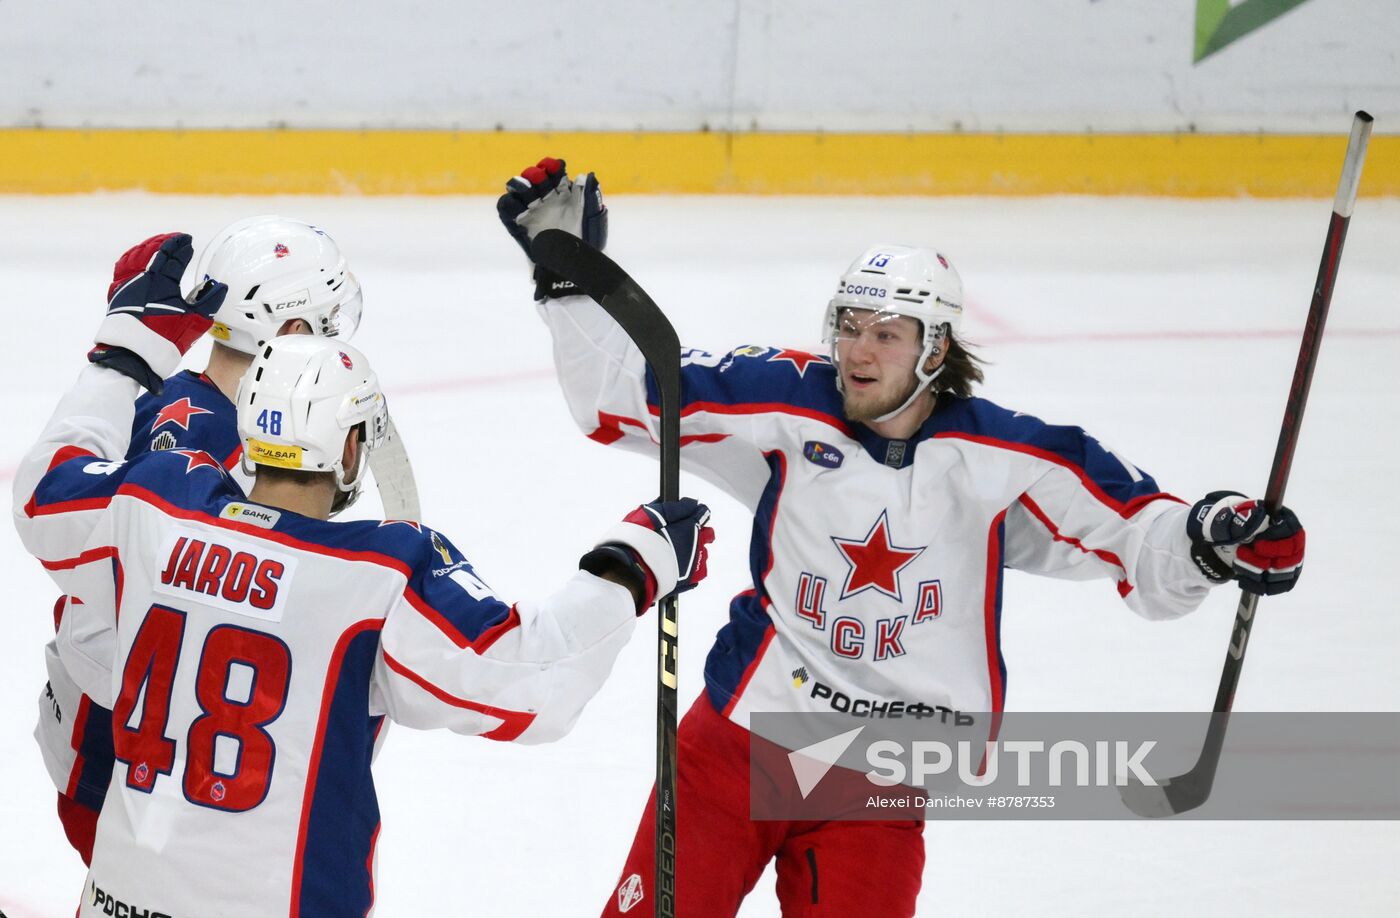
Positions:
{"x": 393, "y": 475}
{"x": 1190, "y": 790}
{"x": 599, "y": 277}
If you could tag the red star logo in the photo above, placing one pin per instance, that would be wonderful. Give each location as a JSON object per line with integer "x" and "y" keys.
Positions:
{"x": 415, "y": 525}
{"x": 875, "y": 562}
{"x": 799, "y": 359}
{"x": 179, "y": 412}
{"x": 196, "y": 458}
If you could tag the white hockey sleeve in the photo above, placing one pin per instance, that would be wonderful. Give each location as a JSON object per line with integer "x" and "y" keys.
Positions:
{"x": 454, "y": 655}
{"x": 61, "y": 494}
{"x": 604, "y": 378}
{"x": 66, "y": 479}
{"x": 1061, "y": 528}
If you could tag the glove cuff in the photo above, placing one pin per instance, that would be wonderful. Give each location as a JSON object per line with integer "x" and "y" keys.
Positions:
{"x": 127, "y": 364}
{"x": 124, "y": 330}
{"x": 1209, "y": 562}
{"x": 617, "y": 558}
{"x": 654, "y": 549}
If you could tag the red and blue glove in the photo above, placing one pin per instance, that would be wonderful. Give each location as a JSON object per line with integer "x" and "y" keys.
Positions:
{"x": 149, "y": 324}
{"x": 1234, "y": 537}
{"x": 661, "y": 548}
{"x": 544, "y": 197}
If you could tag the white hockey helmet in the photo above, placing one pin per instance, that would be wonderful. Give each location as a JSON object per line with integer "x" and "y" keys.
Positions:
{"x": 276, "y": 270}
{"x": 299, "y": 399}
{"x": 901, "y": 280}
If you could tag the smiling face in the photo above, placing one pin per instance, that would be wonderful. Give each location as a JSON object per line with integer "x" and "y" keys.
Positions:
{"x": 876, "y": 353}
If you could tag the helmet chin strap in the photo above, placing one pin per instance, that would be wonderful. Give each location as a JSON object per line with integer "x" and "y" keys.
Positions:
{"x": 347, "y": 492}
{"x": 935, "y": 347}
{"x": 924, "y": 384}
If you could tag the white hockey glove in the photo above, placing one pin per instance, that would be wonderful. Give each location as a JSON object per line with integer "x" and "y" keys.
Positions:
{"x": 544, "y": 197}
{"x": 660, "y": 548}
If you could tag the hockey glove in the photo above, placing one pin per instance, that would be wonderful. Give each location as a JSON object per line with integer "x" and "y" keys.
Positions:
{"x": 1232, "y": 536}
{"x": 544, "y": 197}
{"x": 661, "y": 547}
{"x": 149, "y": 325}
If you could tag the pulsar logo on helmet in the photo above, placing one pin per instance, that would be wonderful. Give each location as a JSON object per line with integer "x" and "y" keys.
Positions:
{"x": 823, "y": 454}
{"x": 941, "y": 260}
{"x": 281, "y": 251}
{"x": 345, "y": 361}
{"x": 295, "y": 301}
{"x": 285, "y": 457}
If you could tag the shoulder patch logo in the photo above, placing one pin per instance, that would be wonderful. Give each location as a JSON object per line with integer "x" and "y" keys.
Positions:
{"x": 799, "y": 359}
{"x": 441, "y": 548}
{"x": 823, "y": 454}
{"x": 747, "y": 350}
{"x": 179, "y": 413}
{"x": 164, "y": 440}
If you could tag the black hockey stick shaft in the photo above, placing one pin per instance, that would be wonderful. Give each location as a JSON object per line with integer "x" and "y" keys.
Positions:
{"x": 1194, "y": 787}
{"x": 644, "y": 322}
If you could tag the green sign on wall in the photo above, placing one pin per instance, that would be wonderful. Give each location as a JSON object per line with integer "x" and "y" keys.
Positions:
{"x": 1221, "y": 22}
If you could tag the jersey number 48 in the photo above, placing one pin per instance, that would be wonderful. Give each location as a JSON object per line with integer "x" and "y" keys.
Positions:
{"x": 240, "y": 686}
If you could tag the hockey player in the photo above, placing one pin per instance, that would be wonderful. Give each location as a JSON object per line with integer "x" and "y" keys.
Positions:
{"x": 287, "y": 277}
{"x": 887, "y": 500}
{"x": 250, "y": 649}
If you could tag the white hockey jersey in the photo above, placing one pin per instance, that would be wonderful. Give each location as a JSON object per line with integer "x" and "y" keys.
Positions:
{"x": 75, "y": 736}
{"x": 249, "y": 656}
{"x": 877, "y": 564}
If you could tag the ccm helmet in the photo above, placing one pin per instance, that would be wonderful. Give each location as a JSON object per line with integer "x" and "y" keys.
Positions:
{"x": 905, "y": 281}
{"x": 299, "y": 399}
{"x": 276, "y": 270}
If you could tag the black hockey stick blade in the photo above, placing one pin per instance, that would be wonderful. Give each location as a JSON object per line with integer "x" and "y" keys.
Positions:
{"x": 1190, "y": 790}
{"x": 599, "y": 277}
{"x": 622, "y": 298}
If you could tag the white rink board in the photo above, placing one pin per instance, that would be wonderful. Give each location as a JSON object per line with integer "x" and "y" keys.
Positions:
{"x": 672, "y": 65}
{"x": 1132, "y": 318}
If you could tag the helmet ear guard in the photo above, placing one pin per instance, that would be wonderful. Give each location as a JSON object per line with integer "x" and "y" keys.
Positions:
{"x": 918, "y": 283}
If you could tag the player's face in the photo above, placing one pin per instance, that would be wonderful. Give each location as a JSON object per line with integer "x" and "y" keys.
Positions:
{"x": 876, "y": 353}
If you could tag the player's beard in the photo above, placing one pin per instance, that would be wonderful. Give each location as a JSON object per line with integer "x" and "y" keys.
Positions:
{"x": 875, "y": 406}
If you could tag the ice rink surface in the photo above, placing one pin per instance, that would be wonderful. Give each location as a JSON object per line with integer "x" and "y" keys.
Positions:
{"x": 1168, "y": 329}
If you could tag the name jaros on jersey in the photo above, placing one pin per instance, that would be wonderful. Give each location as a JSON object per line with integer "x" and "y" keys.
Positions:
{"x": 231, "y": 574}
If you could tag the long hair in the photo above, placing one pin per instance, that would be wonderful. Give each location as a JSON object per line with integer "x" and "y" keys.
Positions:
{"x": 962, "y": 369}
